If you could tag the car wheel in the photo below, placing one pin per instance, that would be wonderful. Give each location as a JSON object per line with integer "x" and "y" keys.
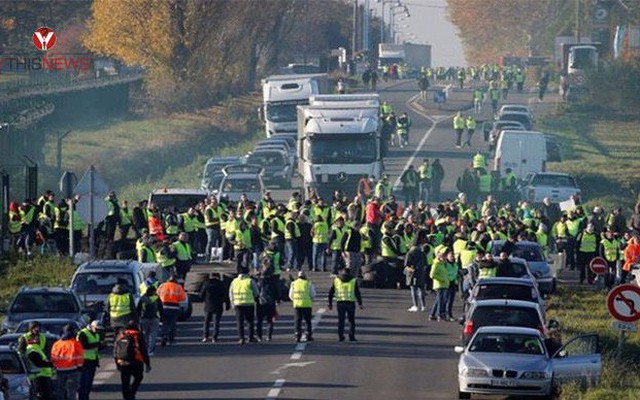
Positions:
{"x": 463, "y": 395}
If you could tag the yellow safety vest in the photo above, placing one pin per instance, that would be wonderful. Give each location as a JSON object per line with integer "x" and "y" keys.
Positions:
{"x": 573, "y": 226}
{"x": 125, "y": 217}
{"x": 487, "y": 272}
{"x": 611, "y": 249}
{"x": 14, "y": 226}
{"x": 119, "y": 305}
{"x": 320, "y": 232}
{"x": 242, "y": 293}
{"x": 280, "y": 226}
{"x": 42, "y": 340}
{"x": 296, "y": 230}
{"x": 92, "y": 338}
{"x": 187, "y": 223}
{"x": 335, "y": 245}
{"x": 345, "y": 291}
{"x": 365, "y": 238}
{"x": 242, "y": 240}
{"x": 183, "y": 251}
{"x": 212, "y": 216}
{"x": 484, "y": 183}
{"x": 35, "y": 372}
{"x": 301, "y": 293}
{"x": 588, "y": 243}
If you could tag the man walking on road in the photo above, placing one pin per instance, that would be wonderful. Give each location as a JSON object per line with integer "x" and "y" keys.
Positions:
{"x": 437, "y": 176}
{"x": 459, "y": 123}
{"x": 346, "y": 292}
{"x": 214, "y": 296}
{"x": 424, "y": 173}
{"x": 150, "y": 311}
{"x": 89, "y": 338}
{"x": 171, "y": 294}
{"x": 302, "y": 292}
{"x": 131, "y": 357}
{"x": 243, "y": 293}
{"x": 67, "y": 356}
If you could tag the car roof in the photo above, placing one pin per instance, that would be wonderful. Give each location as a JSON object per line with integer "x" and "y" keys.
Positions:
{"x": 269, "y": 150}
{"x": 506, "y": 302}
{"x": 179, "y": 191}
{"x": 518, "y": 243}
{"x": 223, "y": 160}
{"x": 44, "y": 289}
{"x": 503, "y": 280}
{"x": 552, "y": 174}
{"x": 109, "y": 265}
{"x": 509, "y": 329}
{"x": 523, "y": 113}
{"x": 240, "y": 176}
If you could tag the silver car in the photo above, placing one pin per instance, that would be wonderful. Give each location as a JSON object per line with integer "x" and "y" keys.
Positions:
{"x": 512, "y": 361}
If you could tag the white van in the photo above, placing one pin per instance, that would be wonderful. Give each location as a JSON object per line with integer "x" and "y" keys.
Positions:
{"x": 525, "y": 152}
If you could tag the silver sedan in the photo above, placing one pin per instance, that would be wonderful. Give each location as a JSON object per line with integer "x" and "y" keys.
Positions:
{"x": 514, "y": 361}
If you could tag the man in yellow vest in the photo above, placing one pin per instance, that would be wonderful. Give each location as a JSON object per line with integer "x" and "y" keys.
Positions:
{"x": 335, "y": 244}
{"x": 320, "y": 238}
{"x": 586, "y": 246}
{"x": 121, "y": 305}
{"x": 291, "y": 239}
{"x": 346, "y": 292}
{"x": 212, "y": 215}
{"x": 243, "y": 292}
{"x": 471, "y": 124}
{"x": 610, "y": 251}
{"x": 126, "y": 220}
{"x": 41, "y": 369}
{"x": 459, "y": 123}
{"x": 424, "y": 173}
{"x": 301, "y": 293}
{"x": 184, "y": 258}
{"x": 89, "y": 338}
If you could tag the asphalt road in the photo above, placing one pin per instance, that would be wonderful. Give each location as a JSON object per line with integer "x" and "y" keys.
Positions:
{"x": 400, "y": 355}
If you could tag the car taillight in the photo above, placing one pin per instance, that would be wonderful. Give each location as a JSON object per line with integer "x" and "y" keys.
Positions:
{"x": 468, "y": 328}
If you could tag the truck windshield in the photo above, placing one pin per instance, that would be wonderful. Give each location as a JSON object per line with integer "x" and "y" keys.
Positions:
{"x": 332, "y": 149}
{"x": 282, "y": 112}
{"x": 582, "y": 58}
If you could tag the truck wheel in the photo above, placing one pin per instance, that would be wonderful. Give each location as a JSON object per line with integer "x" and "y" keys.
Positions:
{"x": 463, "y": 395}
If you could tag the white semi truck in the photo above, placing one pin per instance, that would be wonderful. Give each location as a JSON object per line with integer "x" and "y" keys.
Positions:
{"x": 282, "y": 94}
{"x": 338, "y": 143}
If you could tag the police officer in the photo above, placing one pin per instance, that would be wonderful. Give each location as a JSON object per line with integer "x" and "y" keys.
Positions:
{"x": 346, "y": 292}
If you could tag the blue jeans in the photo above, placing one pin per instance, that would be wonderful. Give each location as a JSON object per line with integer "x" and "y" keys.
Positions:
{"x": 336, "y": 260}
{"x": 440, "y": 305}
{"x": 417, "y": 296}
{"x": 213, "y": 240}
{"x": 451, "y": 296}
{"x": 290, "y": 254}
{"x": 318, "y": 257}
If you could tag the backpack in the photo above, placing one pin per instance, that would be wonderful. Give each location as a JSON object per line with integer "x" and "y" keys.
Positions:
{"x": 125, "y": 348}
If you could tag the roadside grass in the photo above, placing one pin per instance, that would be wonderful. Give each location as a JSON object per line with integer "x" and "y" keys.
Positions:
{"x": 601, "y": 150}
{"x": 158, "y": 151}
{"x": 582, "y": 310}
{"x": 38, "y": 271}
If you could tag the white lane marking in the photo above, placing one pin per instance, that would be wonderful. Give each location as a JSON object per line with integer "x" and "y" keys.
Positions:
{"x": 291, "y": 365}
{"x": 301, "y": 346}
{"x": 275, "y": 391}
{"x": 297, "y": 355}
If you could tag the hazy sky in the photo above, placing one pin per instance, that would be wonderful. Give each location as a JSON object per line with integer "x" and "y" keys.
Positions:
{"x": 428, "y": 22}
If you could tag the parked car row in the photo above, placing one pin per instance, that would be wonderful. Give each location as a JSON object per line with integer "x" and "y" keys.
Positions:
{"x": 55, "y": 307}
{"x": 506, "y": 349}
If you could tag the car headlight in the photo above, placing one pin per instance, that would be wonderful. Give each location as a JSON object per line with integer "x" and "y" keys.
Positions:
{"x": 475, "y": 372}
{"x": 535, "y": 375}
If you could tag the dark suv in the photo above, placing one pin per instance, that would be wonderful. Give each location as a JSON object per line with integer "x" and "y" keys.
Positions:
{"x": 43, "y": 302}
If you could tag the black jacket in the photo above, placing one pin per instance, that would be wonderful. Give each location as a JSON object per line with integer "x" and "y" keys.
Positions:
{"x": 214, "y": 295}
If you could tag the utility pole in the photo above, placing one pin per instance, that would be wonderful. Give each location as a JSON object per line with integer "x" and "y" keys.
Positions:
{"x": 354, "y": 31}
{"x": 578, "y": 22}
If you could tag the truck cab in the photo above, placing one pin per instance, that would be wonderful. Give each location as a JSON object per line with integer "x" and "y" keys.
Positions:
{"x": 282, "y": 93}
{"x": 338, "y": 145}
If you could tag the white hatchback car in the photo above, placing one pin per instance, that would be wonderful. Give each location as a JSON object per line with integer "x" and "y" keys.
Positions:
{"x": 513, "y": 361}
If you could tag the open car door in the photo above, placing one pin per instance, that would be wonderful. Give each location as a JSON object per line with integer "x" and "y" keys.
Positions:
{"x": 579, "y": 360}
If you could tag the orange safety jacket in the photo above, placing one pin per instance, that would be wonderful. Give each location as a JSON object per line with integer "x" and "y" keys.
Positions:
{"x": 631, "y": 256}
{"x": 67, "y": 355}
{"x": 155, "y": 227}
{"x": 171, "y": 294}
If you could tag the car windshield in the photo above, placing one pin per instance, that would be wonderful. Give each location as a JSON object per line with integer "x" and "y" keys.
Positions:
{"x": 214, "y": 168}
{"x": 514, "y": 108}
{"x": 506, "y": 315}
{"x": 553, "y": 180}
{"x": 282, "y": 112}
{"x": 506, "y": 343}
{"x": 511, "y": 270}
{"x": 267, "y": 159}
{"x": 97, "y": 283}
{"x": 45, "y": 303}
{"x": 343, "y": 149}
{"x": 214, "y": 182}
{"x": 526, "y": 252}
{"x": 522, "y": 118}
{"x": 10, "y": 363}
{"x": 240, "y": 185}
{"x": 181, "y": 201}
{"x": 505, "y": 291}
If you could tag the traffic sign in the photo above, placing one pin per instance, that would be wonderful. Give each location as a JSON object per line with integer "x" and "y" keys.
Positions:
{"x": 623, "y": 303}
{"x": 624, "y": 327}
{"x": 99, "y": 209}
{"x": 85, "y": 186}
{"x": 598, "y": 265}
{"x": 68, "y": 181}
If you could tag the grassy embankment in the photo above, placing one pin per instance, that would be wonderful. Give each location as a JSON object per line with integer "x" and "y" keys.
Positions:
{"x": 136, "y": 156}
{"x": 602, "y": 150}
{"x": 581, "y": 310}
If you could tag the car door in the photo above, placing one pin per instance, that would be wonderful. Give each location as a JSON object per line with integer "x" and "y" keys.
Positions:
{"x": 579, "y": 360}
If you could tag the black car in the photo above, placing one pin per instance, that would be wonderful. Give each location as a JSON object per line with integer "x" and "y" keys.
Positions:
{"x": 43, "y": 302}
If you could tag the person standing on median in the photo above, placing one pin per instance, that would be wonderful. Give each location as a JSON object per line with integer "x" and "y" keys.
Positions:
{"x": 346, "y": 292}
{"x": 301, "y": 293}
